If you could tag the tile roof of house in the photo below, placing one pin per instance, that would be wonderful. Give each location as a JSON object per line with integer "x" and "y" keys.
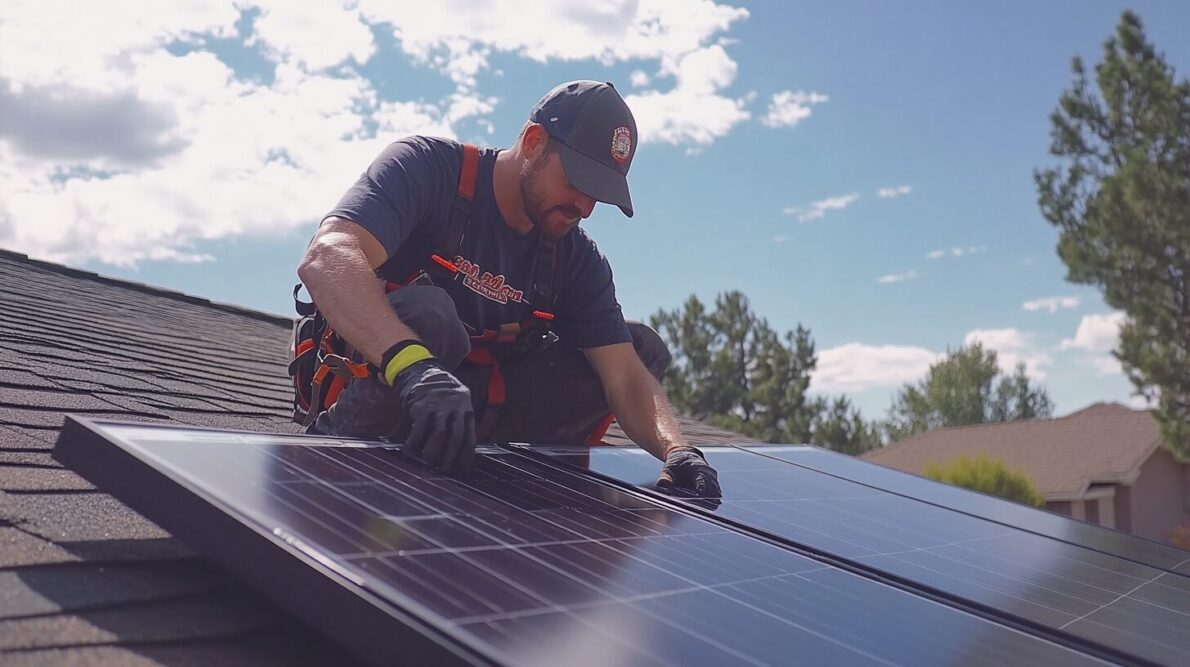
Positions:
{"x": 1103, "y": 443}
{"x": 83, "y": 579}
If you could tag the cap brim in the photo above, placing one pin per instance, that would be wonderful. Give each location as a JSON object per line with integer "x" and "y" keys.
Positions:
{"x": 594, "y": 179}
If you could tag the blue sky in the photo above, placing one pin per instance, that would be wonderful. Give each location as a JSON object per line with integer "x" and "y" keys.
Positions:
{"x": 198, "y": 147}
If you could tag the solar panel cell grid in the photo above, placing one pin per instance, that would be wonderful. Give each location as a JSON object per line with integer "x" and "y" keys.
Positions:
{"x": 1047, "y": 581}
{"x": 530, "y": 564}
{"x": 1150, "y": 553}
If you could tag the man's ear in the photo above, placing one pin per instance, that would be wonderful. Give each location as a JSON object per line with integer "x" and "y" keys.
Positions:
{"x": 533, "y": 140}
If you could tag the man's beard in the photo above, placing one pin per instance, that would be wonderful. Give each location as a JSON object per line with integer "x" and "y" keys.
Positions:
{"x": 534, "y": 200}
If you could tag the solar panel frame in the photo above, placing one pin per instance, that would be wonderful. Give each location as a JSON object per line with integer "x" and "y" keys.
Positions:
{"x": 337, "y": 609}
{"x": 634, "y": 467}
{"x": 303, "y": 583}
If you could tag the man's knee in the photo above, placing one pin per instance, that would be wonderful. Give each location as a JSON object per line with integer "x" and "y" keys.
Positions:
{"x": 431, "y": 313}
{"x": 651, "y": 348}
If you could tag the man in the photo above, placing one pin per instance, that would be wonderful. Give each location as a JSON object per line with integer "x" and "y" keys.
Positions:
{"x": 521, "y": 248}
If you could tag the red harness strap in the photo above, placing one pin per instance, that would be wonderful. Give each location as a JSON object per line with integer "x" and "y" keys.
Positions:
{"x": 596, "y": 436}
{"x": 470, "y": 174}
{"x": 482, "y": 356}
{"x": 481, "y": 350}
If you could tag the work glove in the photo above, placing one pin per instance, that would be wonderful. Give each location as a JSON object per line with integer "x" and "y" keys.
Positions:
{"x": 437, "y": 406}
{"x": 686, "y": 468}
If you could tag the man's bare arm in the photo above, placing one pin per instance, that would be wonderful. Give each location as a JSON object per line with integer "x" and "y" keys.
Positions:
{"x": 338, "y": 270}
{"x": 635, "y": 397}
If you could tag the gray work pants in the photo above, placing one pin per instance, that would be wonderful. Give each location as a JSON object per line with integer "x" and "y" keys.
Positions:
{"x": 552, "y": 396}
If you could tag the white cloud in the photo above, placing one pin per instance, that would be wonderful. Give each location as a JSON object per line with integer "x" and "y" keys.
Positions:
{"x": 890, "y": 193}
{"x": 1096, "y": 333}
{"x": 301, "y": 36}
{"x": 190, "y": 153}
{"x": 896, "y": 277}
{"x": 782, "y": 239}
{"x": 856, "y": 367}
{"x": 693, "y": 112}
{"x": 788, "y": 108}
{"x": 97, "y": 44}
{"x": 1012, "y": 347}
{"x": 247, "y": 159}
{"x": 458, "y": 37}
{"x": 1139, "y": 402}
{"x": 1105, "y": 364}
{"x": 606, "y": 31}
{"x": 638, "y": 78}
{"x": 818, "y": 209}
{"x": 957, "y": 251}
{"x": 1051, "y": 303}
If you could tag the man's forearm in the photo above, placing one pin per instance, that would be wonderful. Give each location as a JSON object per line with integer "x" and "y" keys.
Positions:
{"x": 348, "y": 293}
{"x": 644, "y": 412}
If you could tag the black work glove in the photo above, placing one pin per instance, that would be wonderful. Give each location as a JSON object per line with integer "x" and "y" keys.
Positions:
{"x": 441, "y": 420}
{"x": 686, "y": 468}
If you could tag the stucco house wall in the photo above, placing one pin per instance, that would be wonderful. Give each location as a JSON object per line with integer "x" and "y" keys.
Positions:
{"x": 1159, "y": 496}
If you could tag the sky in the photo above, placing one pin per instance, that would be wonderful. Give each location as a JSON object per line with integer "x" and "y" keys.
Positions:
{"x": 864, "y": 169}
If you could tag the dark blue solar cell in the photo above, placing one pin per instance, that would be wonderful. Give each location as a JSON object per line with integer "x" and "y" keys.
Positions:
{"x": 1048, "y": 581}
{"x": 1155, "y": 554}
{"x": 522, "y": 563}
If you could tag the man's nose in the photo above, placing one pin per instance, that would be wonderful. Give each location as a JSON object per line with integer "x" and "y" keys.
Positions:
{"x": 585, "y": 205}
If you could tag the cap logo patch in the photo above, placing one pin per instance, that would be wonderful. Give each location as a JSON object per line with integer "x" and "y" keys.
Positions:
{"x": 621, "y": 144}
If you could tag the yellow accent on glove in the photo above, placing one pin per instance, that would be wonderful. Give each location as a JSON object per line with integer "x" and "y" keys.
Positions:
{"x": 404, "y": 359}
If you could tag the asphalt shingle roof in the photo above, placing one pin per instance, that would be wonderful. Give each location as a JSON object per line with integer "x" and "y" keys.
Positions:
{"x": 83, "y": 579}
{"x": 1105, "y": 442}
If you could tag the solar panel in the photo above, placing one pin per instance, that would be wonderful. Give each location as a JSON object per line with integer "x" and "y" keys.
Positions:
{"x": 1091, "y": 536}
{"x": 1121, "y": 604}
{"x": 521, "y": 563}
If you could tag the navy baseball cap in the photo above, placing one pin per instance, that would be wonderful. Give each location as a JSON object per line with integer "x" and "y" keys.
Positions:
{"x": 596, "y": 137}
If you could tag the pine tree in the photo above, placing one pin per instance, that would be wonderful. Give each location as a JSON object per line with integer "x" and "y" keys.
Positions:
{"x": 733, "y": 370}
{"x": 1121, "y": 200}
{"x": 962, "y": 389}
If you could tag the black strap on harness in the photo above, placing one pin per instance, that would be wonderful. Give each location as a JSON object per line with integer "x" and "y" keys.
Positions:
{"x": 444, "y": 248}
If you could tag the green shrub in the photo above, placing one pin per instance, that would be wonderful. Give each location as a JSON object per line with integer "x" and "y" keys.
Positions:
{"x": 987, "y": 475}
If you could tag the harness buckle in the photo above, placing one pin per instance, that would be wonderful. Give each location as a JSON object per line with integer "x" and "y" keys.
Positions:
{"x": 344, "y": 368}
{"x": 533, "y": 338}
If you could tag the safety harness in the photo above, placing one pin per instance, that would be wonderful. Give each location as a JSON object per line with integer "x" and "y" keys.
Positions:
{"x": 322, "y": 362}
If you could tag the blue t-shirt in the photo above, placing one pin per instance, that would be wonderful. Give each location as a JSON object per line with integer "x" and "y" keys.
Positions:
{"x": 413, "y": 182}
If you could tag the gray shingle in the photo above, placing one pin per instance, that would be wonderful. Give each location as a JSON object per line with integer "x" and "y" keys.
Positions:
{"x": 18, "y": 548}
{"x": 38, "y": 479}
{"x": 76, "y": 517}
{"x": 22, "y": 378}
{"x": 74, "y": 587}
{"x": 282, "y": 646}
{"x": 52, "y": 419}
{"x": 27, "y": 459}
{"x": 83, "y": 579}
{"x": 62, "y": 401}
{"x": 14, "y": 437}
{"x": 209, "y": 615}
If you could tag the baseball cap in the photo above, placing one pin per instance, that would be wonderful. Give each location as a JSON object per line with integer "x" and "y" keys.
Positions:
{"x": 596, "y": 138}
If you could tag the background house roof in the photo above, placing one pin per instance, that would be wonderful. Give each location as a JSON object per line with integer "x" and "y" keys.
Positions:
{"x": 1103, "y": 443}
{"x": 83, "y": 578}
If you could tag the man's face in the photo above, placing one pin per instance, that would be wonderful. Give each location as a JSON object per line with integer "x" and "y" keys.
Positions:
{"x": 551, "y": 203}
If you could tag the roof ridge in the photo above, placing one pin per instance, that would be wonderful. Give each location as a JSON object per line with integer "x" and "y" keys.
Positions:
{"x": 988, "y": 424}
{"x": 146, "y": 288}
{"x": 995, "y": 424}
{"x": 967, "y": 427}
{"x": 1105, "y": 404}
